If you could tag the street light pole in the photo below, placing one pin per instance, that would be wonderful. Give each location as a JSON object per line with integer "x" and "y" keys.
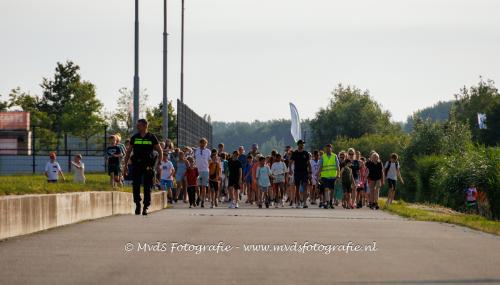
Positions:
{"x": 136, "y": 64}
{"x": 165, "y": 99}
{"x": 182, "y": 53}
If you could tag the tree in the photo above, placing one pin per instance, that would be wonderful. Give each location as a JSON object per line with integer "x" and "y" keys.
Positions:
{"x": 351, "y": 113}
{"x": 426, "y": 139}
{"x": 83, "y": 114}
{"x": 120, "y": 120}
{"x": 155, "y": 119}
{"x": 272, "y": 144}
{"x": 482, "y": 98}
{"x": 235, "y": 134}
{"x": 3, "y": 105}
{"x": 42, "y": 121}
{"x": 492, "y": 132}
{"x": 438, "y": 112}
{"x": 58, "y": 92}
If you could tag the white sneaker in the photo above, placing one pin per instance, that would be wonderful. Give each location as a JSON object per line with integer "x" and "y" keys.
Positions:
{"x": 236, "y": 206}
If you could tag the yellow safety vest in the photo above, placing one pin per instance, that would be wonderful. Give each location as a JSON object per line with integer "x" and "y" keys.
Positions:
{"x": 329, "y": 167}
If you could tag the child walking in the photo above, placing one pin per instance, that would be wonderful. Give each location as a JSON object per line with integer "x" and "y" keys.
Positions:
{"x": 53, "y": 169}
{"x": 167, "y": 178}
{"x": 360, "y": 185}
{"x": 279, "y": 170}
{"x": 392, "y": 173}
{"x": 192, "y": 181}
{"x": 214, "y": 179}
{"x": 78, "y": 169}
{"x": 263, "y": 175}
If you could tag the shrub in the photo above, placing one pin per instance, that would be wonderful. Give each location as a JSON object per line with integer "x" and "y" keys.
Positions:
{"x": 477, "y": 166}
{"x": 426, "y": 170}
{"x": 383, "y": 144}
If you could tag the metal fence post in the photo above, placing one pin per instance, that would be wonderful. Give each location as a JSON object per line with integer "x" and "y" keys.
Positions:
{"x": 33, "y": 141}
{"x": 69, "y": 161}
{"x": 104, "y": 149}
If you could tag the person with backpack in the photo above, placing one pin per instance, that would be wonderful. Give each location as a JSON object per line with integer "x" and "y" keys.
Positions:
{"x": 347, "y": 181}
{"x": 392, "y": 173}
{"x": 376, "y": 179}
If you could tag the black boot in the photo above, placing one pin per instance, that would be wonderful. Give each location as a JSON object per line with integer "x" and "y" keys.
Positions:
{"x": 138, "y": 209}
{"x": 145, "y": 211}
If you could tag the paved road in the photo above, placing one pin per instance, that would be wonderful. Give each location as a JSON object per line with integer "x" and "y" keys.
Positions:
{"x": 408, "y": 252}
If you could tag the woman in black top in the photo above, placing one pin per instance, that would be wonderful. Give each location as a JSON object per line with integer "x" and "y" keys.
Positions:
{"x": 375, "y": 179}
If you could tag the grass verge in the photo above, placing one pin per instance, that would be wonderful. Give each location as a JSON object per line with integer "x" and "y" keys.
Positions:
{"x": 436, "y": 213}
{"x": 37, "y": 184}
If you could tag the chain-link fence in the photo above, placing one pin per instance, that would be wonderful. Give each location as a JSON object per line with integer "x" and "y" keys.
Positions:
{"x": 191, "y": 127}
{"x": 23, "y": 152}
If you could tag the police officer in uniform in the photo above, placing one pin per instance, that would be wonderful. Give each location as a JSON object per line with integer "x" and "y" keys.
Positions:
{"x": 143, "y": 145}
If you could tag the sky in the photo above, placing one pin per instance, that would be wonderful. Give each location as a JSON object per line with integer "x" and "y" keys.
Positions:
{"x": 246, "y": 59}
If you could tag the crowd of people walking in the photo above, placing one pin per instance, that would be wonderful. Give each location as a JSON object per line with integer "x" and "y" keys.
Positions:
{"x": 295, "y": 178}
{"x": 210, "y": 177}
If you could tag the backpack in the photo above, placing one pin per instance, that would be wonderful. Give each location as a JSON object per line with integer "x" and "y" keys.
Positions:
{"x": 389, "y": 166}
{"x": 346, "y": 176}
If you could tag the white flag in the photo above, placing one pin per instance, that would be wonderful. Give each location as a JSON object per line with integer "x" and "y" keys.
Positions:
{"x": 295, "y": 128}
{"x": 481, "y": 121}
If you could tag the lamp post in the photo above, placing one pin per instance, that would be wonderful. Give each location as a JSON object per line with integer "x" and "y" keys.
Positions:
{"x": 165, "y": 99}
{"x": 136, "y": 64}
{"x": 182, "y": 53}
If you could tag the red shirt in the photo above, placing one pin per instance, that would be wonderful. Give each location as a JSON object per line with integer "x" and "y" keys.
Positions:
{"x": 192, "y": 176}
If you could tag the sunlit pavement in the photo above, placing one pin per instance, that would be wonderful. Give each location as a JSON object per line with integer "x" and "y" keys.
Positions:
{"x": 165, "y": 248}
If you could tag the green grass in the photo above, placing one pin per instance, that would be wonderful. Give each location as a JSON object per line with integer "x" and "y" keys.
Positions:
{"x": 37, "y": 184}
{"x": 435, "y": 213}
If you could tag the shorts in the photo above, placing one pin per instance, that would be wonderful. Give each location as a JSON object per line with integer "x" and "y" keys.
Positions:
{"x": 302, "y": 189}
{"x": 234, "y": 183}
{"x": 376, "y": 184}
{"x": 300, "y": 178}
{"x": 347, "y": 188}
{"x": 279, "y": 179}
{"x": 276, "y": 185}
{"x": 392, "y": 183}
{"x": 166, "y": 184}
{"x": 203, "y": 179}
{"x": 314, "y": 180}
{"x": 327, "y": 183}
{"x": 179, "y": 176}
{"x": 263, "y": 188}
{"x": 214, "y": 185}
{"x": 114, "y": 169}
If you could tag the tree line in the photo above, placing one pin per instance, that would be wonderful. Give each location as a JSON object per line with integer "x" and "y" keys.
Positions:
{"x": 68, "y": 105}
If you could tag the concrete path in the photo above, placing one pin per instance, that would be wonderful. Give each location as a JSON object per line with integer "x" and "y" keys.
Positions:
{"x": 112, "y": 251}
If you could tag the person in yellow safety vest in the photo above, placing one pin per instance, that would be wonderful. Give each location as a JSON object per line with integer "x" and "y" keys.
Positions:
{"x": 327, "y": 174}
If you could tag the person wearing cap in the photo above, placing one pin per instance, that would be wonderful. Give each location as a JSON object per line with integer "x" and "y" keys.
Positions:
{"x": 53, "y": 169}
{"x": 327, "y": 174}
{"x": 143, "y": 144}
{"x": 301, "y": 170}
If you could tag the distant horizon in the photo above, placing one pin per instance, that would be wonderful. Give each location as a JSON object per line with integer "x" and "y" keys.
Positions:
{"x": 305, "y": 119}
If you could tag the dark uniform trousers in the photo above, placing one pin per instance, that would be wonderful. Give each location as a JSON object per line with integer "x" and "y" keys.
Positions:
{"x": 142, "y": 175}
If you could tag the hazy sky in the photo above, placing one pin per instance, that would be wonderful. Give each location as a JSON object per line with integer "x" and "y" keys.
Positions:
{"x": 246, "y": 59}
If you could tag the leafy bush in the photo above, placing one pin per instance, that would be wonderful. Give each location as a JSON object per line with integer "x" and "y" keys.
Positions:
{"x": 478, "y": 166}
{"x": 383, "y": 144}
{"x": 426, "y": 170}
